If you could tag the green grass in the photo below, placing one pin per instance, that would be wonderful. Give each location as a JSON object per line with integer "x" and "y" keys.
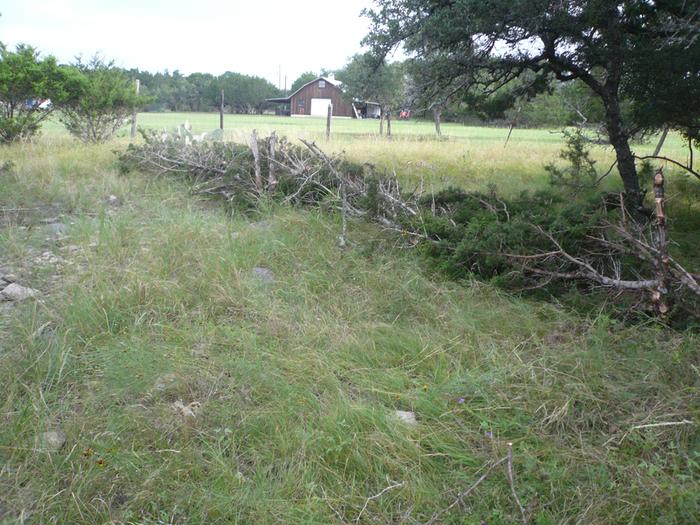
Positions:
{"x": 296, "y": 381}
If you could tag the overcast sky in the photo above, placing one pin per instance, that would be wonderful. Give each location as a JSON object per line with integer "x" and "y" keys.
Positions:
{"x": 209, "y": 36}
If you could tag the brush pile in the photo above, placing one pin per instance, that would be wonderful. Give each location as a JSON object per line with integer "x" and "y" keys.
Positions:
{"x": 274, "y": 167}
{"x": 546, "y": 242}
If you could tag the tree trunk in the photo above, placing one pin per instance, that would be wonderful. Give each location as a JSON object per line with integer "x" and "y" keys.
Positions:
{"x": 388, "y": 123}
{"x": 619, "y": 139}
{"x": 381, "y": 122}
{"x": 437, "y": 115}
{"x": 660, "y": 294}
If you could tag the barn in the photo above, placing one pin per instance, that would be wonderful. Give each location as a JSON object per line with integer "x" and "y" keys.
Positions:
{"x": 312, "y": 100}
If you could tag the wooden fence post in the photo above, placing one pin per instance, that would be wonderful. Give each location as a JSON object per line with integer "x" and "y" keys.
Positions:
{"x": 133, "y": 115}
{"x": 221, "y": 111}
{"x": 253, "y": 143}
{"x": 271, "y": 176}
{"x": 328, "y": 121}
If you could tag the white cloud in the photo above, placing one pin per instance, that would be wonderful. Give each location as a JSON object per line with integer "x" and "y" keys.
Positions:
{"x": 208, "y": 35}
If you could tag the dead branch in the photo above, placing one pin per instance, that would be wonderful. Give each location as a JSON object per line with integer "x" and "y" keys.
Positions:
{"x": 688, "y": 168}
{"x": 511, "y": 482}
{"x": 589, "y": 272}
{"x": 508, "y": 460}
{"x": 377, "y": 496}
{"x": 467, "y": 492}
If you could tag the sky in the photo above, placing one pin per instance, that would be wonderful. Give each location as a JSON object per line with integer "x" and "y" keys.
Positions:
{"x": 260, "y": 37}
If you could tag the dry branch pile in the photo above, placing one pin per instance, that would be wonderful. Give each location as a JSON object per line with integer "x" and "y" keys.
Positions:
{"x": 533, "y": 242}
{"x": 298, "y": 174}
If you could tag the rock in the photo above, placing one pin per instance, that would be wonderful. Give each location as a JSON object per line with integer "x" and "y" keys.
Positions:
{"x": 263, "y": 225}
{"x": 201, "y": 351}
{"x": 165, "y": 381}
{"x": 51, "y": 441}
{"x": 48, "y": 258}
{"x": 407, "y": 417}
{"x": 9, "y": 278}
{"x": 264, "y": 274}
{"x": 113, "y": 200}
{"x": 6, "y": 307}
{"x": 15, "y": 292}
{"x": 56, "y": 229}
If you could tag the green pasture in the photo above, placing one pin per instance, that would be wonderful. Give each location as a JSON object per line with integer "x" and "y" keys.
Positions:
{"x": 468, "y": 156}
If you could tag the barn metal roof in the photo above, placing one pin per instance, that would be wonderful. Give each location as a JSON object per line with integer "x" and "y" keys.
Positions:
{"x": 332, "y": 81}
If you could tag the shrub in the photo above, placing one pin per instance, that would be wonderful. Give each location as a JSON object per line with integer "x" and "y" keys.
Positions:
{"x": 103, "y": 102}
{"x": 30, "y": 89}
{"x": 580, "y": 173}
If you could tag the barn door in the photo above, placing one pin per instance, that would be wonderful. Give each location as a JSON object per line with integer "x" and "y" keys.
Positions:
{"x": 319, "y": 107}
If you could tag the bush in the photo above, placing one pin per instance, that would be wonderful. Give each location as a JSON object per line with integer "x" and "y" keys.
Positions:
{"x": 30, "y": 89}
{"x": 532, "y": 242}
{"x": 103, "y": 103}
{"x": 580, "y": 173}
{"x": 478, "y": 232}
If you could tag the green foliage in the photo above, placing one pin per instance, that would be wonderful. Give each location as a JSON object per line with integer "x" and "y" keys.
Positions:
{"x": 474, "y": 233}
{"x": 201, "y": 92}
{"x": 579, "y": 173}
{"x": 243, "y": 93}
{"x": 304, "y": 78}
{"x": 103, "y": 100}
{"x": 546, "y": 40}
{"x": 528, "y": 243}
{"x": 662, "y": 82}
{"x": 27, "y": 81}
{"x": 366, "y": 78}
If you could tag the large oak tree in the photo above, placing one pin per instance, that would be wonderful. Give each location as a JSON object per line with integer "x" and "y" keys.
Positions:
{"x": 603, "y": 43}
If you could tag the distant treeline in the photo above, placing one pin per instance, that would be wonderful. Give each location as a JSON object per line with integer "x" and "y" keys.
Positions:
{"x": 562, "y": 105}
{"x": 245, "y": 94}
{"x": 202, "y": 91}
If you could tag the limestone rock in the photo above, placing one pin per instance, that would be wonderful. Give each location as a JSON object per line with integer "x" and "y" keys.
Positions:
{"x": 51, "y": 441}
{"x": 48, "y": 258}
{"x": 15, "y": 292}
{"x": 263, "y": 274}
{"x": 407, "y": 417}
{"x": 56, "y": 229}
{"x": 165, "y": 381}
{"x": 9, "y": 278}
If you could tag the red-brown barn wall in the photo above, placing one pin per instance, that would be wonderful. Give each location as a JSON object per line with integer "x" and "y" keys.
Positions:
{"x": 341, "y": 108}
